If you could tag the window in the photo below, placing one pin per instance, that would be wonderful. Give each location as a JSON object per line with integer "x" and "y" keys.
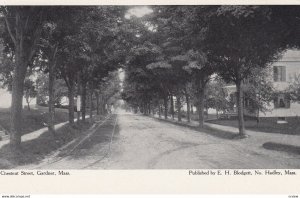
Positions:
{"x": 279, "y": 73}
{"x": 281, "y": 119}
{"x": 282, "y": 101}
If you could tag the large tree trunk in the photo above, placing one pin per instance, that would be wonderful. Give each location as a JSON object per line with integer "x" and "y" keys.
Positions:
{"x": 28, "y": 104}
{"x": 192, "y": 109}
{"x": 206, "y": 112}
{"x": 71, "y": 100}
{"x": 188, "y": 111}
{"x": 145, "y": 108}
{"x": 159, "y": 110}
{"x": 166, "y": 107}
{"x": 101, "y": 106}
{"x": 83, "y": 102}
{"x": 102, "y": 102}
{"x": 104, "y": 106}
{"x": 51, "y": 99}
{"x": 78, "y": 106}
{"x": 172, "y": 106}
{"x": 91, "y": 104}
{"x": 240, "y": 107}
{"x": 201, "y": 87}
{"x": 17, "y": 101}
{"x": 178, "y": 108}
{"x": 24, "y": 51}
{"x": 52, "y": 66}
{"x": 97, "y": 103}
{"x": 149, "y": 107}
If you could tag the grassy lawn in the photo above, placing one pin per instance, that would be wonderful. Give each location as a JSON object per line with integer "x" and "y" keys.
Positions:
{"x": 35, "y": 150}
{"x": 32, "y": 120}
{"x": 195, "y": 116}
{"x": 269, "y": 126}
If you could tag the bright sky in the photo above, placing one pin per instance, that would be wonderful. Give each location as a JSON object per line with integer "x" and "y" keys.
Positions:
{"x": 121, "y": 74}
{"x": 138, "y": 11}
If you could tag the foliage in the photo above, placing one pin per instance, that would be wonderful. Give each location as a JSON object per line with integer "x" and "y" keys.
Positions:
{"x": 173, "y": 51}
{"x": 216, "y": 95}
{"x": 239, "y": 39}
{"x": 259, "y": 90}
{"x": 6, "y": 71}
{"x": 29, "y": 90}
{"x": 294, "y": 88}
{"x": 42, "y": 86}
{"x": 111, "y": 88}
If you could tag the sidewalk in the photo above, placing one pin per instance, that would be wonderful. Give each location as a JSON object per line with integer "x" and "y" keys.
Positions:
{"x": 37, "y": 133}
{"x": 34, "y": 134}
{"x": 2, "y": 133}
{"x": 273, "y": 141}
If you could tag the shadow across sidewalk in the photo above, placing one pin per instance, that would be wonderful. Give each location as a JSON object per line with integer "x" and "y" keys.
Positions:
{"x": 35, "y": 150}
{"x": 206, "y": 129}
{"x": 101, "y": 135}
{"x": 282, "y": 147}
{"x": 232, "y": 135}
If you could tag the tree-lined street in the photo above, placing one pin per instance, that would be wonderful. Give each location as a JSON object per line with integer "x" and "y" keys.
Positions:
{"x": 130, "y": 141}
{"x": 109, "y": 67}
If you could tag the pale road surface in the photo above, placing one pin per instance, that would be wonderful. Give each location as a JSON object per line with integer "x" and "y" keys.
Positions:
{"x": 128, "y": 141}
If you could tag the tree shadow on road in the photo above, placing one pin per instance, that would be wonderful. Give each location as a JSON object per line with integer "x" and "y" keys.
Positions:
{"x": 101, "y": 138}
{"x": 206, "y": 129}
{"x": 282, "y": 147}
{"x": 34, "y": 151}
{"x": 219, "y": 133}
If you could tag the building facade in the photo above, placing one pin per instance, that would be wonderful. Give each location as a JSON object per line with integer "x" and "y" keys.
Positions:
{"x": 282, "y": 74}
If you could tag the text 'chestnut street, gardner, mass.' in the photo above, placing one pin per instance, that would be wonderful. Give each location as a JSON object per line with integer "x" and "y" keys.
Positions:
{"x": 33, "y": 173}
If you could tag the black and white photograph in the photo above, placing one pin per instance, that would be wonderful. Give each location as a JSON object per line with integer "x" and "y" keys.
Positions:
{"x": 125, "y": 87}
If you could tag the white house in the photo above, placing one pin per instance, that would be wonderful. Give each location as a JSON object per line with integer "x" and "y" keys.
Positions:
{"x": 282, "y": 74}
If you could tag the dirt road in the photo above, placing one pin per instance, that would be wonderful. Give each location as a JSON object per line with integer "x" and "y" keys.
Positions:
{"x": 128, "y": 141}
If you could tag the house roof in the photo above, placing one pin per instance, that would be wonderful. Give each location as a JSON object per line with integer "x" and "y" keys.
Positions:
{"x": 290, "y": 55}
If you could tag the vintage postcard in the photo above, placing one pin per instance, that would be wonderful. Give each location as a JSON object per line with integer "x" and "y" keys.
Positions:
{"x": 149, "y": 97}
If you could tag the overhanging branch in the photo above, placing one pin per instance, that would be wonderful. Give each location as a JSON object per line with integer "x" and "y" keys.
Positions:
{"x": 9, "y": 28}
